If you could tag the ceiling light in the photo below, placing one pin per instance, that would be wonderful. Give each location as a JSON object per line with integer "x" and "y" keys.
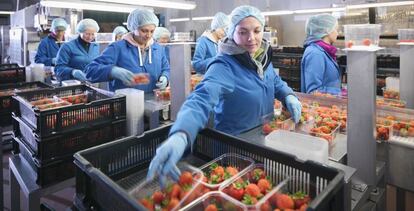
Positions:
{"x": 331, "y": 9}
{"x": 202, "y": 18}
{"x": 6, "y": 12}
{"x": 184, "y": 5}
{"x": 179, "y": 19}
{"x": 385, "y": 4}
{"x": 88, "y": 5}
{"x": 277, "y": 12}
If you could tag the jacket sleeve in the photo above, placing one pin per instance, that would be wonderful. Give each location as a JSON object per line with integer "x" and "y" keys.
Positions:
{"x": 281, "y": 88}
{"x": 41, "y": 55}
{"x": 100, "y": 68}
{"x": 62, "y": 69}
{"x": 199, "y": 61}
{"x": 165, "y": 64}
{"x": 194, "y": 113}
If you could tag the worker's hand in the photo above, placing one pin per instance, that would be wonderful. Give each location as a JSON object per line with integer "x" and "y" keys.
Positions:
{"x": 166, "y": 158}
{"x": 79, "y": 74}
{"x": 162, "y": 82}
{"x": 294, "y": 107}
{"x": 122, "y": 74}
{"x": 54, "y": 61}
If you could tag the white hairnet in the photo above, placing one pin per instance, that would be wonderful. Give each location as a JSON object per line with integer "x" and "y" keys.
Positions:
{"x": 240, "y": 13}
{"x": 87, "y": 23}
{"x": 161, "y": 32}
{"x": 220, "y": 20}
{"x": 119, "y": 30}
{"x": 141, "y": 17}
{"x": 58, "y": 24}
{"x": 320, "y": 25}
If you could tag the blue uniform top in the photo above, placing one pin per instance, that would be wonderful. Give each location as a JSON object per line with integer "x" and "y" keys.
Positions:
{"x": 238, "y": 93}
{"x": 47, "y": 50}
{"x": 319, "y": 71}
{"x": 204, "y": 53}
{"x": 72, "y": 55}
{"x": 124, "y": 54}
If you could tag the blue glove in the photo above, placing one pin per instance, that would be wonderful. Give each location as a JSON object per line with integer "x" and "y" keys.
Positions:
{"x": 54, "y": 61}
{"x": 122, "y": 74}
{"x": 79, "y": 74}
{"x": 168, "y": 154}
{"x": 162, "y": 82}
{"x": 294, "y": 107}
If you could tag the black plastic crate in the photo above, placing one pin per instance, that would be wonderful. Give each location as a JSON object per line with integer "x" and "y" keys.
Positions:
{"x": 8, "y": 90}
{"x": 286, "y": 60}
{"x": 8, "y": 66}
{"x": 12, "y": 74}
{"x": 45, "y": 174}
{"x": 100, "y": 109}
{"x": 57, "y": 146}
{"x": 103, "y": 171}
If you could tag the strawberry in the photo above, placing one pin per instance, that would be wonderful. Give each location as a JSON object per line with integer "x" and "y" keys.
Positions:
{"x": 147, "y": 203}
{"x": 249, "y": 200}
{"x": 157, "y": 197}
{"x": 211, "y": 207}
{"x": 186, "y": 178}
{"x": 300, "y": 198}
{"x": 236, "y": 191}
{"x": 231, "y": 170}
{"x": 264, "y": 185}
{"x": 284, "y": 201}
{"x": 253, "y": 190}
{"x": 175, "y": 191}
{"x": 173, "y": 203}
{"x": 258, "y": 174}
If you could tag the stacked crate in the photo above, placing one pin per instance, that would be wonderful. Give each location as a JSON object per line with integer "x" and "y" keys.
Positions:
{"x": 288, "y": 62}
{"x": 50, "y": 125}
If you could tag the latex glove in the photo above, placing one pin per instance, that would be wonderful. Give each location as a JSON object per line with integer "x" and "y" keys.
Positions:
{"x": 122, "y": 74}
{"x": 79, "y": 74}
{"x": 294, "y": 107}
{"x": 162, "y": 82}
{"x": 54, "y": 61}
{"x": 166, "y": 158}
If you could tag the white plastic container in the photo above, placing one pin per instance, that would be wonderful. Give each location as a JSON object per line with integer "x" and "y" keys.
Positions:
{"x": 362, "y": 35}
{"x": 71, "y": 83}
{"x": 406, "y": 35}
{"x": 303, "y": 146}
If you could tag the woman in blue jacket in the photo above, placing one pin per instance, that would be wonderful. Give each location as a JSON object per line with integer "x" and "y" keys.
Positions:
{"x": 162, "y": 36}
{"x": 49, "y": 46}
{"x": 135, "y": 53}
{"x": 319, "y": 69}
{"x": 240, "y": 87}
{"x": 207, "y": 44}
{"x": 74, "y": 55}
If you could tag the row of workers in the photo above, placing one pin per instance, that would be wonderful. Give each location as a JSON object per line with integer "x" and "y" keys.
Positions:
{"x": 239, "y": 84}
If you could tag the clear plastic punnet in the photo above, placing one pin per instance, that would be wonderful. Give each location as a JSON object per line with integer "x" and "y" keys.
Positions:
{"x": 215, "y": 200}
{"x": 271, "y": 122}
{"x": 406, "y": 36}
{"x": 362, "y": 36}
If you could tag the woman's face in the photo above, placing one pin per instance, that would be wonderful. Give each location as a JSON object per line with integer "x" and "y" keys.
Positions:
{"x": 333, "y": 35}
{"x": 88, "y": 35}
{"x": 118, "y": 37}
{"x": 59, "y": 34}
{"x": 164, "y": 39}
{"x": 144, "y": 33}
{"x": 220, "y": 33}
{"x": 248, "y": 34}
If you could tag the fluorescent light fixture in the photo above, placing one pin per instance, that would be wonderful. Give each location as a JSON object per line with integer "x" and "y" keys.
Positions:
{"x": 179, "y": 19}
{"x": 184, "y": 5}
{"x": 202, "y": 18}
{"x": 6, "y": 12}
{"x": 277, "y": 12}
{"x": 88, "y": 5}
{"x": 331, "y": 9}
{"x": 385, "y": 4}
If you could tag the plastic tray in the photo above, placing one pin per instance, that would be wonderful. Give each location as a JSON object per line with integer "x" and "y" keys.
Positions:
{"x": 45, "y": 174}
{"x": 270, "y": 122}
{"x": 12, "y": 75}
{"x": 384, "y": 129}
{"x": 251, "y": 177}
{"x": 162, "y": 94}
{"x": 146, "y": 189}
{"x": 290, "y": 194}
{"x": 57, "y": 146}
{"x": 316, "y": 130}
{"x": 100, "y": 109}
{"x": 390, "y": 103}
{"x": 102, "y": 169}
{"x": 220, "y": 200}
{"x": 239, "y": 162}
{"x": 390, "y": 94}
{"x": 141, "y": 78}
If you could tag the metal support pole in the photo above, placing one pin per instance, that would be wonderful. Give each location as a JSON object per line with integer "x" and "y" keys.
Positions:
{"x": 361, "y": 114}
{"x": 407, "y": 74}
{"x": 180, "y": 74}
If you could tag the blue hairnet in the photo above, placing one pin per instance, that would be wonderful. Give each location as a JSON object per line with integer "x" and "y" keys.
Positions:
{"x": 141, "y": 17}
{"x": 87, "y": 23}
{"x": 220, "y": 20}
{"x": 58, "y": 24}
{"x": 320, "y": 25}
{"x": 161, "y": 32}
{"x": 119, "y": 30}
{"x": 240, "y": 13}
